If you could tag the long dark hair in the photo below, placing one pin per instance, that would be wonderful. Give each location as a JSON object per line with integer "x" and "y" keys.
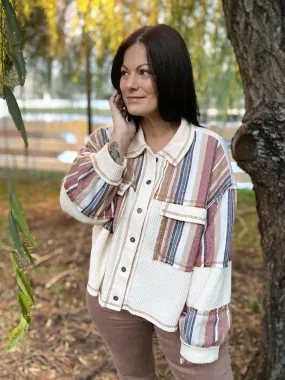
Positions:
{"x": 173, "y": 74}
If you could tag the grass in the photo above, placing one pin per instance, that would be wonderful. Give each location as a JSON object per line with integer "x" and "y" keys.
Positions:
{"x": 245, "y": 231}
{"x": 31, "y": 188}
{"x": 81, "y": 111}
{"x": 37, "y": 185}
{"x": 246, "y": 198}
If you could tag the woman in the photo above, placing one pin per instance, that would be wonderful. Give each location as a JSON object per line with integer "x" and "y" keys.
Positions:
{"x": 159, "y": 190}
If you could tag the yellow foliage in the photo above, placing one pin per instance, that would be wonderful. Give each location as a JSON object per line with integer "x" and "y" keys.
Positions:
{"x": 51, "y": 11}
{"x": 107, "y": 22}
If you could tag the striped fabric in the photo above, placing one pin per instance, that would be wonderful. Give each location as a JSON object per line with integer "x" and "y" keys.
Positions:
{"x": 216, "y": 243}
{"x": 198, "y": 181}
{"x": 205, "y": 329}
{"x": 162, "y": 235}
{"x": 86, "y": 186}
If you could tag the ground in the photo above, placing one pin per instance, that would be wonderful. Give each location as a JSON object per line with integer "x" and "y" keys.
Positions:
{"x": 62, "y": 343}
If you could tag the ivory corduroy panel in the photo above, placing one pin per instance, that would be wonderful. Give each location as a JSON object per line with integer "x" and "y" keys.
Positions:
{"x": 162, "y": 232}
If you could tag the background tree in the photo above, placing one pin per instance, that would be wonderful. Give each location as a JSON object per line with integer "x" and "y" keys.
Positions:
{"x": 257, "y": 32}
{"x": 82, "y": 35}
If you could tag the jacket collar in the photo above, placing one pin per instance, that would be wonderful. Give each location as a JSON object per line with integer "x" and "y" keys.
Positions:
{"x": 174, "y": 151}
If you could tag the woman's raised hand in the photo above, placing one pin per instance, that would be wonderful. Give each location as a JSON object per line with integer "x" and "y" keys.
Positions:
{"x": 122, "y": 127}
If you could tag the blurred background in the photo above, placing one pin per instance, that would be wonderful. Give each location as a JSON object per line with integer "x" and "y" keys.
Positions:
{"x": 69, "y": 47}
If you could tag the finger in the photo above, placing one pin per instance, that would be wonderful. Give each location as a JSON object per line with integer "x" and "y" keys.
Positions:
{"x": 182, "y": 360}
{"x": 121, "y": 104}
{"x": 122, "y": 109}
{"x": 118, "y": 99}
{"x": 114, "y": 102}
{"x": 114, "y": 94}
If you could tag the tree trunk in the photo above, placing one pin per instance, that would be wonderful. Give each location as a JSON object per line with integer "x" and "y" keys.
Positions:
{"x": 256, "y": 29}
{"x": 88, "y": 82}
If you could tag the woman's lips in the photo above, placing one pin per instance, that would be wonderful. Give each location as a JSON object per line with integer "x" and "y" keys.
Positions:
{"x": 134, "y": 99}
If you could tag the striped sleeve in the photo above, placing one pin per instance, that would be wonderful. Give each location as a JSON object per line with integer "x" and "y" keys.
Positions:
{"x": 206, "y": 319}
{"x": 221, "y": 174}
{"x": 91, "y": 184}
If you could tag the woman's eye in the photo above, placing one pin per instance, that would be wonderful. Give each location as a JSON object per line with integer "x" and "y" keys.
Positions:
{"x": 145, "y": 73}
{"x": 123, "y": 73}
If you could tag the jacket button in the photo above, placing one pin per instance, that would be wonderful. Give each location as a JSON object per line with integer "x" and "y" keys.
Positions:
{"x": 115, "y": 298}
{"x": 132, "y": 239}
{"x": 156, "y": 159}
{"x": 123, "y": 269}
{"x": 148, "y": 181}
{"x": 139, "y": 210}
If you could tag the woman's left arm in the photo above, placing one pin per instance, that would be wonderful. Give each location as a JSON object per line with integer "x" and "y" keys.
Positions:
{"x": 205, "y": 322}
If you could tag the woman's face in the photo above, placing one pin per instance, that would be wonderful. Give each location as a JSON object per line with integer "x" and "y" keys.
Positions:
{"x": 136, "y": 82}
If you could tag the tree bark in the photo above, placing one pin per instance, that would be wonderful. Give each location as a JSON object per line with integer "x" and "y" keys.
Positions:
{"x": 256, "y": 29}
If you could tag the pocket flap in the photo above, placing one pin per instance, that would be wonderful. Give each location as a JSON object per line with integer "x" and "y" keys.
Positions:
{"x": 184, "y": 213}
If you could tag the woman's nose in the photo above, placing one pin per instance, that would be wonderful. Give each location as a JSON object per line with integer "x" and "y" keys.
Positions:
{"x": 132, "y": 82}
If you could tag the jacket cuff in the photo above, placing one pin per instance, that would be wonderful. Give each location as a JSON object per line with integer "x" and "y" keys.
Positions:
{"x": 107, "y": 168}
{"x": 199, "y": 355}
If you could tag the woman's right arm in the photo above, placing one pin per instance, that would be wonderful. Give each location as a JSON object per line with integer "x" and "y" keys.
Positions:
{"x": 88, "y": 190}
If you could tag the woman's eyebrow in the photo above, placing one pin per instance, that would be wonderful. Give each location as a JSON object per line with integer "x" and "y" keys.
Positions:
{"x": 143, "y": 64}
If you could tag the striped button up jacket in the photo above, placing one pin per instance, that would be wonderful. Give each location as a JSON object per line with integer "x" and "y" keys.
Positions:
{"x": 162, "y": 232}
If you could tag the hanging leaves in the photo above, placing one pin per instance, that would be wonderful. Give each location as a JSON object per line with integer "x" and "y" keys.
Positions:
{"x": 20, "y": 256}
{"x": 19, "y": 216}
{"x": 15, "y": 113}
{"x": 14, "y": 36}
{"x": 16, "y": 238}
{"x": 12, "y": 73}
{"x": 25, "y": 307}
{"x": 17, "y": 334}
{"x": 22, "y": 280}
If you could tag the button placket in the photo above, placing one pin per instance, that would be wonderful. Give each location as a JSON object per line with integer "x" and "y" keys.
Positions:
{"x": 121, "y": 279}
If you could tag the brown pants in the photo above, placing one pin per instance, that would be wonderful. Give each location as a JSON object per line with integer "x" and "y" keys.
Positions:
{"x": 129, "y": 339}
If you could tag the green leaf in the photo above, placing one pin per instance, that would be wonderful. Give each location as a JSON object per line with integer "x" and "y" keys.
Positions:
{"x": 17, "y": 335}
{"x": 26, "y": 249}
{"x": 19, "y": 62}
{"x": 12, "y": 20}
{"x": 16, "y": 238}
{"x": 24, "y": 284}
{"x": 19, "y": 216}
{"x": 15, "y": 113}
{"x": 22, "y": 280}
{"x": 14, "y": 261}
{"x": 25, "y": 306}
{"x": 15, "y": 38}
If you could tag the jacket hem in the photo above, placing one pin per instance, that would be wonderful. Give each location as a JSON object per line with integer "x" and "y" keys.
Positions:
{"x": 137, "y": 313}
{"x": 92, "y": 291}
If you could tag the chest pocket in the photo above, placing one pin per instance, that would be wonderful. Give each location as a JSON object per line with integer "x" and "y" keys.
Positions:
{"x": 179, "y": 235}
